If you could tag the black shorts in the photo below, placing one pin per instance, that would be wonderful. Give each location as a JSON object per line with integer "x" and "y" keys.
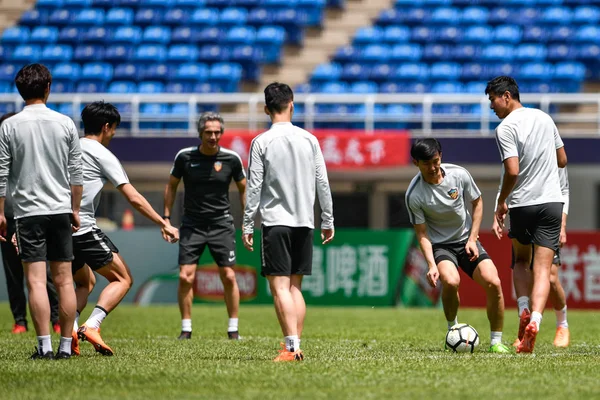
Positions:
{"x": 93, "y": 248}
{"x": 555, "y": 260}
{"x": 456, "y": 253}
{"x": 539, "y": 224}
{"x": 286, "y": 250}
{"x": 45, "y": 238}
{"x": 218, "y": 235}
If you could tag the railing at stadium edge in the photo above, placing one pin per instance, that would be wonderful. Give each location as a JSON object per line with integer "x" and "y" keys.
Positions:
{"x": 244, "y": 110}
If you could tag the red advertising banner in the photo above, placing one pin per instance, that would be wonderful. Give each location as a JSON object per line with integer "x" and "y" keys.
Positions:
{"x": 579, "y": 273}
{"x": 343, "y": 149}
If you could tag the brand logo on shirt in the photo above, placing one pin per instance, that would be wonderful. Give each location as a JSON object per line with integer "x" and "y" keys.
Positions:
{"x": 194, "y": 165}
{"x": 453, "y": 193}
{"x": 218, "y": 166}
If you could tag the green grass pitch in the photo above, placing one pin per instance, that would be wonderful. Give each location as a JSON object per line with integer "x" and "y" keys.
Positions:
{"x": 351, "y": 353}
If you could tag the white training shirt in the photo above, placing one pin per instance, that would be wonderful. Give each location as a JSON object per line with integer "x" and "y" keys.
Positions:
{"x": 99, "y": 166}
{"x": 531, "y": 135}
{"x": 286, "y": 169}
{"x": 444, "y": 208}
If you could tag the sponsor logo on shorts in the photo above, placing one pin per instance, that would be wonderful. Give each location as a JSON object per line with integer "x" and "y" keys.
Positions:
{"x": 208, "y": 285}
{"x": 231, "y": 256}
{"x": 218, "y": 166}
{"x": 453, "y": 193}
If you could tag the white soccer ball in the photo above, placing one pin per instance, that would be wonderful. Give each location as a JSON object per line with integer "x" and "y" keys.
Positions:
{"x": 462, "y": 338}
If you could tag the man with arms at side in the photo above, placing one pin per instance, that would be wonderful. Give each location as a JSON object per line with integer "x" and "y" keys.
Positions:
{"x": 207, "y": 171}
{"x": 286, "y": 168}
{"x": 40, "y": 158}
{"x": 92, "y": 248}
{"x": 530, "y": 149}
{"x": 437, "y": 200}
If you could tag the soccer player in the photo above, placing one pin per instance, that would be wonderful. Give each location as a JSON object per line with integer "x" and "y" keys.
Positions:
{"x": 13, "y": 269}
{"x": 286, "y": 168}
{"x": 523, "y": 280}
{"x": 437, "y": 200}
{"x": 207, "y": 171}
{"x": 40, "y": 157}
{"x": 530, "y": 149}
{"x": 93, "y": 250}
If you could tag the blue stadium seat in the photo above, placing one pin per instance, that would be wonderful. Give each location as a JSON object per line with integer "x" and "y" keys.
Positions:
{"x": 557, "y": 16}
{"x": 390, "y": 87}
{"x": 560, "y": 52}
{"x": 376, "y": 53}
{"x": 447, "y": 87}
{"x": 508, "y": 34}
{"x": 498, "y": 52}
{"x": 148, "y": 16}
{"x": 152, "y": 111}
{"x": 34, "y": 17}
{"x": 569, "y": 71}
{"x": 97, "y": 72}
{"x": 311, "y": 11}
{"x": 157, "y": 3}
{"x": 527, "y": 16}
{"x": 588, "y": 33}
{"x": 49, "y": 4}
{"x": 300, "y": 88}
{"x": 415, "y": 16}
{"x": 6, "y": 87}
{"x": 66, "y": 72}
{"x": 474, "y": 15}
{"x": 326, "y": 72}
{"x": 473, "y": 72}
{"x": 586, "y": 15}
{"x": 213, "y": 53}
{"x": 206, "y": 87}
{"x": 157, "y": 34}
{"x": 88, "y": 17}
{"x": 450, "y": 34}
{"x": 288, "y": 18}
{"x": 8, "y": 72}
{"x": 531, "y": 52}
{"x": 63, "y": 86}
{"x": 182, "y": 53}
{"x": 127, "y": 3}
{"x": 155, "y": 72}
{"x": 334, "y": 88}
{"x": 445, "y": 71}
{"x": 351, "y": 72}
{"x": 411, "y": 72}
{"x": 151, "y": 87}
{"x": 150, "y": 52}
{"x": 260, "y": 16}
{"x": 396, "y": 34}
{"x": 445, "y": 16}
{"x": 535, "y": 34}
{"x": 205, "y": 17}
{"x": 390, "y": 17}
{"x": 118, "y": 53}
{"x": 501, "y": 15}
{"x": 57, "y": 53}
{"x": 380, "y": 72}
{"x": 179, "y": 87}
{"x": 60, "y": 17}
{"x": 90, "y": 87}
{"x": 586, "y": 52}
{"x": 466, "y": 52}
{"x": 126, "y": 72}
{"x": 423, "y": 34}
{"x": 539, "y": 71}
{"x": 44, "y": 34}
{"x": 227, "y": 75}
{"x": 88, "y": 52}
{"x": 15, "y": 35}
{"x": 364, "y": 87}
{"x": 77, "y": 4}
{"x": 27, "y": 53}
{"x": 119, "y": 16}
{"x": 185, "y": 34}
{"x": 346, "y": 54}
{"x": 70, "y": 34}
{"x": 434, "y": 52}
{"x": 97, "y": 34}
{"x": 503, "y": 69}
{"x": 5, "y": 52}
{"x": 233, "y": 16}
{"x": 210, "y": 35}
{"x": 405, "y": 52}
{"x": 270, "y": 35}
{"x": 177, "y": 17}
{"x": 189, "y": 4}
{"x": 106, "y": 4}
{"x": 220, "y": 4}
{"x": 127, "y": 34}
{"x": 240, "y": 35}
{"x": 561, "y": 34}
{"x": 475, "y": 87}
{"x": 193, "y": 72}
{"x": 122, "y": 87}
{"x": 478, "y": 34}
{"x": 368, "y": 35}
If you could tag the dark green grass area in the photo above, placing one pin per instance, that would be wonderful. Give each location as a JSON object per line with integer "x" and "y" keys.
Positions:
{"x": 351, "y": 353}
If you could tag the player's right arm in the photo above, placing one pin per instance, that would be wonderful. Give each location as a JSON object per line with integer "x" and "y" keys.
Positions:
{"x": 253, "y": 189}
{"x": 564, "y": 188}
{"x": 427, "y": 250}
{"x": 324, "y": 195}
{"x": 507, "y": 145}
{"x": 5, "y": 162}
{"x": 75, "y": 167}
{"x": 561, "y": 154}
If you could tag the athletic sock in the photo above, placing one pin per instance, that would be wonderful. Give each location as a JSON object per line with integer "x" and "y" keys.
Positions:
{"x": 537, "y": 318}
{"x": 65, "y": 345}
{"x": 523, "y": 303}
{"x": 561, "y": 318}
{"x": 76, "y": 323}
{"x": 495, "y": 337}
{"x": 186, "y": 325}
{"x": 44, "y": 344}
{"x": 233, "y": 325}
{"x": 98, "y": 315}
{"x": 292, "y": 343}
{"x": 453, "y": 322}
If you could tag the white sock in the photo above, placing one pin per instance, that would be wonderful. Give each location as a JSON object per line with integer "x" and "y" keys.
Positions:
{"x": 561, "y": 318}
{"x": 292, "y": 343}
{"x": 44, "y": 344}
{"x": 76, "y": 323}
{"x": 453, "y": 322}
{"x": 98, "y": 315}
{"x": 186, "y": 325}
{"x": 523, "y": 303}
{"x": 495, "y": 337}
{"x": 537, "y": 318}
{"x": 65, "y": 345}
{"x": 233, "y": 325}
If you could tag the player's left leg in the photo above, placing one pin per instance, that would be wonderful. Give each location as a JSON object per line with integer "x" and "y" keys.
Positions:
{"x": 232, "y": 300}
{"x": 84, "y": 280}
{"x": 559, "y": 303}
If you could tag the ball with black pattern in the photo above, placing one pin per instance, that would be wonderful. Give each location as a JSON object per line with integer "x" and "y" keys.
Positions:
{"x": 462, "y": 338}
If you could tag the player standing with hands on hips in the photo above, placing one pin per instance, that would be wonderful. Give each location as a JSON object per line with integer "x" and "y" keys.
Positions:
{"x": 286, "y": 168}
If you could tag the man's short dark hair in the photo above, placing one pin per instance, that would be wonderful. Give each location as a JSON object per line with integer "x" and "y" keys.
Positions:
{"x": 502, "y": 84}
{"x": 425, "y": 149}
{"x": 32, "y": 81}
{"x": 277, "y": 97}
{"x": 97, "y": 114}
{"x": 6, "y": 116}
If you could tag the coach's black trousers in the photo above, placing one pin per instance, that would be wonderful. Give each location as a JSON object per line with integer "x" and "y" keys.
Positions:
{"x": 15, "y": 280}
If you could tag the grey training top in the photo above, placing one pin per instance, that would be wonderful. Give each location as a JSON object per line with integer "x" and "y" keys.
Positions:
{"x": 445, "y": 207}
{"x": 40, "y": 158}
{"x": 286, "y": 168}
